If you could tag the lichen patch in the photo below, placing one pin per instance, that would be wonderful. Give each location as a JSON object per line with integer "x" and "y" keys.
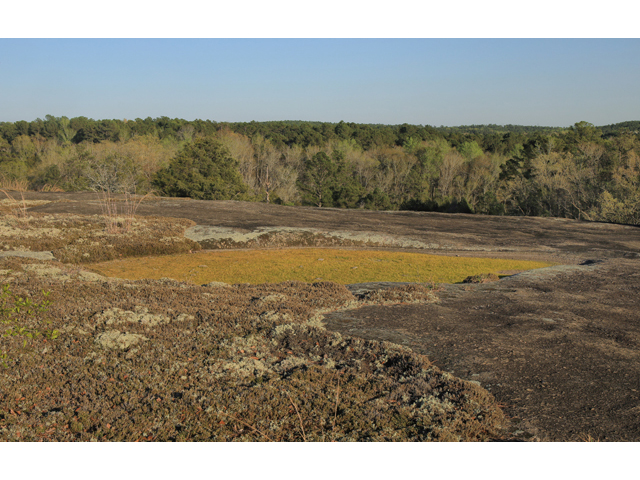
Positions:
{"x": 141, "y": 315}
{"x": 113, "y": 339}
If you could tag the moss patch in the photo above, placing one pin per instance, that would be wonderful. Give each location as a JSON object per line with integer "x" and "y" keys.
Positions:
{"x": 308, "y": 265}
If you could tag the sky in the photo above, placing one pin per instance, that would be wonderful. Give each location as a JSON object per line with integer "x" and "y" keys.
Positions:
{"x": 427, "y": 81}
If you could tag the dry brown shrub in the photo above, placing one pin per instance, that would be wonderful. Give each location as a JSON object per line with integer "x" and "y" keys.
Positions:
{"x": 119, "y": 212}
{"x": 416, "y": 293}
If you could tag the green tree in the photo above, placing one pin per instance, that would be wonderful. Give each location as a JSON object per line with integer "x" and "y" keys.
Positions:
{"x": 411, "y": 145}
{"x": 203, "y": 169}
{"x": 343, "y": 130}
{"x": 74, "y": 168}
{"x": 470, "y": 150}
{"x": 5, "y": 149}
{"x": 620, "y": 203}
{"x": 584, "y": 132}
{"x": 377, "y": 200}
{"x": 65, "y": 132}
{"x": 318, "y": 181}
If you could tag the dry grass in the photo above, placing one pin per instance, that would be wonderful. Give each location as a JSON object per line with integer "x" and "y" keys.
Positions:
{"x": 50, "y": 188}
{"x": 13, "y": 184}
{"x": 309, "y": 265}
{"x": 586, "y": 437}
{"x": 16, "y": 207}
{"x": 119, "y": 211}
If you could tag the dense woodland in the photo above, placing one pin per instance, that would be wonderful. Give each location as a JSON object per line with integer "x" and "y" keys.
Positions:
{"x": 582, "y": 172}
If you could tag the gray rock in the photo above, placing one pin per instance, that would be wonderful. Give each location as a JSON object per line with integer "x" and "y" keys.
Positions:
{"x": 27, "y": 254}
{"x": 217, "y": 284}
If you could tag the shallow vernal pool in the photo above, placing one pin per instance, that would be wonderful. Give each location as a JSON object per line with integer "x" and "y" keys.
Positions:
{"x": 308, "y": 265}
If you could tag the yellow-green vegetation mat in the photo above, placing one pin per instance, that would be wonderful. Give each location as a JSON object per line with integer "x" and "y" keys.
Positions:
{"x": 162, "y": 360}
{"x": 94, "y": 238}
{"x": 309, "y": 265}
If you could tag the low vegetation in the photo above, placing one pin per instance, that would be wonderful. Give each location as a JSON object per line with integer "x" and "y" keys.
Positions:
{"x": 309, "y": 265}
{"x": 82, "y": 239}
{"x": 169, "y": 361}
{"x": 482, "y": 278}
{"x": 91, "y": 358}
{"x": 17, "y": 315}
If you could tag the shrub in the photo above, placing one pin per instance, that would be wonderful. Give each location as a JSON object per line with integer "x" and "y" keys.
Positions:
{"x": 202, "y": 170}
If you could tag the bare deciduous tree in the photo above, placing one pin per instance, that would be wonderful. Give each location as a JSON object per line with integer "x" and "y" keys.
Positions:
{"x": 241, "y": 149}
{"x": 452, "y": 166}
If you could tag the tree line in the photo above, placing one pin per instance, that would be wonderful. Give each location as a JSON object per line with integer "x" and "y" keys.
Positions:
{"x": 582, "y": 172}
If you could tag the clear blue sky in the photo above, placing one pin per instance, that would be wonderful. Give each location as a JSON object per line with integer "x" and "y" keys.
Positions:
{"x": 554, "y": 82}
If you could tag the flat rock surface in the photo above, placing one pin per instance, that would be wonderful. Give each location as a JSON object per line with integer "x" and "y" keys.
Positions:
{"x": 558, "y": 347}
{"x": 560, "y": 240}
{"x": 26, "y": 254}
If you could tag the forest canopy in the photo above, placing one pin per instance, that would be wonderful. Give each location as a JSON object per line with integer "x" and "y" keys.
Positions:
{"x": 583, "y": 172}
